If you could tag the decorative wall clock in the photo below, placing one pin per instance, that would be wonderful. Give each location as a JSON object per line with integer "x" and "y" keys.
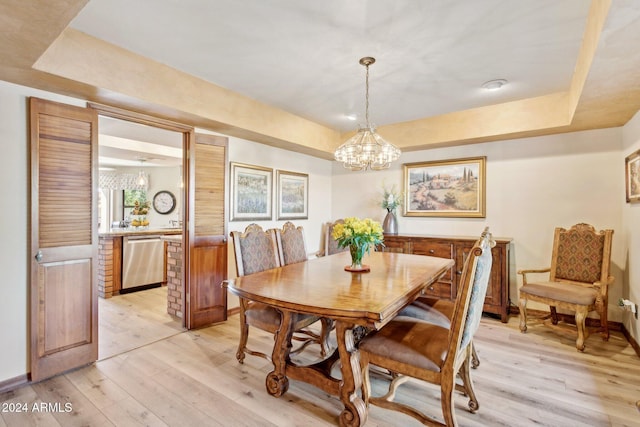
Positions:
{"x": 164, "y": 202}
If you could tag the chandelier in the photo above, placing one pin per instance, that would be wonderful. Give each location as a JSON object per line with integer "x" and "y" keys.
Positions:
{"x": 367, "y": 149}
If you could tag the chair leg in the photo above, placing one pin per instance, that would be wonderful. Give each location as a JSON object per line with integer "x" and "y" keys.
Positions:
{"x": 244, "y": 335}
{"x": 327, "y": 327}
{"x": 446, "y": 398}
{"x": 467, "y": 383}
{"x": 523, "y": 314}
{"x": 604, "y": 322}
{"x": 475, "y": 361}
{"x": 554, "y": 314}
{"x": 581, "y": 315}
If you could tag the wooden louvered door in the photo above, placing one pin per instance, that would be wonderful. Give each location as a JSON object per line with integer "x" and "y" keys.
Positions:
{"x": 64, "y": 249}
{"x": 207, "y": 257}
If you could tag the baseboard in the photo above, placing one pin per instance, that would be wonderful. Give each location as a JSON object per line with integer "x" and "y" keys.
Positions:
{"x": 232, "y": 311}
{"x": 632, "y": 341}
{"x": 13, "y": 383}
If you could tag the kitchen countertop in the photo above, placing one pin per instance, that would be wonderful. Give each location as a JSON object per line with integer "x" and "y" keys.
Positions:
{"x": 132, "y": 231}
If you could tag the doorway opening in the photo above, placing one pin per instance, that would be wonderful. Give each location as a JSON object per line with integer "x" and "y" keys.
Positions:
{"x": 141, "y": 208}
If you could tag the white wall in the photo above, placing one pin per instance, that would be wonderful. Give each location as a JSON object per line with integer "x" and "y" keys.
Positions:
{"x": 533, "y": 185}
{"x": 631, "y": 230}
{"x": 14, "y": 223}
{"x": 319, "y": 209}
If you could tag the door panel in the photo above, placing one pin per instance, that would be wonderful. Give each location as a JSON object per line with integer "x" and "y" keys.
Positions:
{"x": 64, "y": 239}
{"x": 207, "y": 257}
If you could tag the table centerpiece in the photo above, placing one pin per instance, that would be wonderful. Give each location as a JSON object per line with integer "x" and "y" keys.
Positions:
{"x": 359, "y": 235}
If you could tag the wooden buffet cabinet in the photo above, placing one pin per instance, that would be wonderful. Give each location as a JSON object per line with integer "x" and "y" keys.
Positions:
{"x": 457, "y": 248}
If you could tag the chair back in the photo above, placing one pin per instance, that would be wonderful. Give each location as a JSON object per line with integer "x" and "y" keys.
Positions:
{"x": 468, "y": 307}
{"x": 330, "y": 244}
{"x": 581, "y": 254}
{"x": 255, "y": 250}
{"x": 291, "y": 244}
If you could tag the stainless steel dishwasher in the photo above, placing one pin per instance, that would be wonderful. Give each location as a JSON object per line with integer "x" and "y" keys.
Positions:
{"x": 142, "y": 261}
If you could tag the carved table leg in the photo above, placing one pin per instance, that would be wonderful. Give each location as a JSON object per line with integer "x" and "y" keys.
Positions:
{"x": 277, "y": 382}
{"x": 355, "y": 410}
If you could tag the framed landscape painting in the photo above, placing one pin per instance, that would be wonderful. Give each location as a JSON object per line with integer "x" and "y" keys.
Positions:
{"x": 448, "y": 188}
{"x": 251, "y": 189}
{"x": 293, "y": 195}
{"x": 632, "y": 174}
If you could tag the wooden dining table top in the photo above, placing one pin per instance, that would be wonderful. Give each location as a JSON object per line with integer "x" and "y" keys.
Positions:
{"x": 321, "y": 286}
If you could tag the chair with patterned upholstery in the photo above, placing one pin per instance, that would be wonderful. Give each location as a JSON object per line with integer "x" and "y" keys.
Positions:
{"x": 440, "y": 311}
{"x": 291, "y": 244}
{"x": 330, "y": 245}
{"x": 578, "y": 279}
{"x": 292, "y": 249}
{"x": 413, "y": 348}
{"x": 257, "y": 250}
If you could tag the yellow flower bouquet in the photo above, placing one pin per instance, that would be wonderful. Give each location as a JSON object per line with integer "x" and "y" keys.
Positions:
{"x": 359, "y": 235}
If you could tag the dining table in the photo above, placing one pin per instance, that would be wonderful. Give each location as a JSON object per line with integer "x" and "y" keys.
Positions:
{"x": 356, "y": 302}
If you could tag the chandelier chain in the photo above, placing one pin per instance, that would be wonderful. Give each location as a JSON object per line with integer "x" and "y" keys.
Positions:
{"x": 366, "y": 97}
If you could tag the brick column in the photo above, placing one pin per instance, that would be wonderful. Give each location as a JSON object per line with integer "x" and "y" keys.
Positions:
{"x": 105, "y": 267}
{"x": 175, "y": 289}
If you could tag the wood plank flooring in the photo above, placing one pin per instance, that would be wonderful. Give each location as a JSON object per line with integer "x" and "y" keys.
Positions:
{"x": 131, "y": 320}
{"x": 192, "y": 378}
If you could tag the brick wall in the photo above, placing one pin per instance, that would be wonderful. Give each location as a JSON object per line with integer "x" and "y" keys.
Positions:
{"x": 174, "y": 278}
{"x": 105, "y": 267}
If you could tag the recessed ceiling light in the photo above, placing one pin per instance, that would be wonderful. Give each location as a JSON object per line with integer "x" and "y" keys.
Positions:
{"x": 494, "y": 84}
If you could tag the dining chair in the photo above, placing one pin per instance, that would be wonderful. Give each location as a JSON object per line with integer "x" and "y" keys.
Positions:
{"x": 578, "y": 279}
{"x": 256, "y": 250}
{"x": 330, "y": 245}
{"x": 292, "y": 249}
{"x": 291, "y": 244}
{"x": 409, "y": 347}
{"x": 440, "y": 311}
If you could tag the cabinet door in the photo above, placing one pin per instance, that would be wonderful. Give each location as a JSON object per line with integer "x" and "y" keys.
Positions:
{"x": 442, "y": 249}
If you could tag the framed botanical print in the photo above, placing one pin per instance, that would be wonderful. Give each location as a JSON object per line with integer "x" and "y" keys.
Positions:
{"x": 293, "y": 195}
{"x": 447, "y": 188}
{"x": 251, "y": 189}
{"x": 632, "y": 174}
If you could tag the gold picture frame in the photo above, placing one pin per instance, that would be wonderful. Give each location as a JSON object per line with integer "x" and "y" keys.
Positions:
{"x": 447, "y": 188}
{"x": 632, "y": 177}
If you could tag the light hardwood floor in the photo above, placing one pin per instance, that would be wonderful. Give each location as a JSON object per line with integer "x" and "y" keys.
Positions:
{"x": 193, "y": 379}
{"x": 131, "y": 320}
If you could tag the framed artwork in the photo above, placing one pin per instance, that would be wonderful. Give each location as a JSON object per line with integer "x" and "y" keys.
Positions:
{"x": 632, "y": 175}
{"x": 251, "y": 189}
{"x": 448, "y": 188}
{"x": 293, "y": 195}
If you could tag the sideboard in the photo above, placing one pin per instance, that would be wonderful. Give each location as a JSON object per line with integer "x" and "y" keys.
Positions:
{"x": 457, "y": 248}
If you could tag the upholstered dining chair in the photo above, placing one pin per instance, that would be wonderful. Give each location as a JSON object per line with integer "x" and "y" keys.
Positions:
{"x": 578, "y": 279}
{"x": 292, "y": 249}
{"x": 256, "y": 250}
{"x": 330, "y": 245}
{"x": 440, "y": 311}
{"x": 409, "y": 347}
{"x": 291, "y": 244}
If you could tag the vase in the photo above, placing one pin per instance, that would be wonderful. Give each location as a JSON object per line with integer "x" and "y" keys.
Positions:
{"x": 390, "y": 224}
{"x": 357, "y": 252}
